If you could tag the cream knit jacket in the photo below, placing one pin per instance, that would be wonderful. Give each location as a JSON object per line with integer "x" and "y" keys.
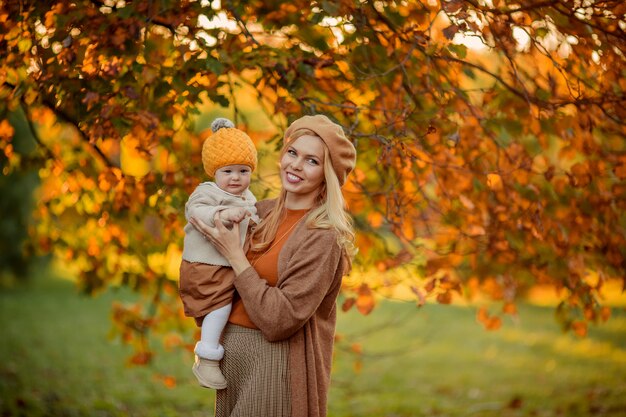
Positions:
{"x": 206, "y": 200}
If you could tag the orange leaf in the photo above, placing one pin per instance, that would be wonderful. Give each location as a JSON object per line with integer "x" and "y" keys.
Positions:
{"x": 141, "y": 358}
{"x": 490, "y": 322}
{"x": 579, "y": 328}
{"x": 482, "y": 315}
{"x": 494, "y": 182}
{"x": 430, "y": 286}
{"x": 168, "y": 380}
{"x": 467, "y": 203}
{"x": 172, "y": 340}
{"x": 6, "y": 130}
{"x": 509, "y": 308}
{"x": 408, "y": 230}
{"x": 365, "y": 301}
{"x": 580, "y": 175}
{"x": 347, "y": 305}
{"x": 364, "y": 243}
{"x": 93, "y": 247}
{"x": 494, "y": 323}
{"x": 620, "y": 171}
{"x": 444, "y": 297}
{"x": 475, "y": 230}
{"x": 375, "y": 219}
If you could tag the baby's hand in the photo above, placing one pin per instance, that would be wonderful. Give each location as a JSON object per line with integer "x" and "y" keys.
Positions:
{"x": 234, "y": 214}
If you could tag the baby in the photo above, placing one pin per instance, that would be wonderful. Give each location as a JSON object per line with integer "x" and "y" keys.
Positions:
{"x": 206, "y": 280}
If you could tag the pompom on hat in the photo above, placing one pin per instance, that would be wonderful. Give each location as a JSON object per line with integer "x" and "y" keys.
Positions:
{"x": 227, "y": 146}
{"x": 342, "y": 151}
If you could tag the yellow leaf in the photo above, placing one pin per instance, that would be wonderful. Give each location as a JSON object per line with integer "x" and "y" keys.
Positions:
{"x": 167, "y": 263}
{"x": 133, "y": 162}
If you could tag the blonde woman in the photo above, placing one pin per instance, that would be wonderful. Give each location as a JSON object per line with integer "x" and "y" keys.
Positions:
{"x": 280, "y": 334}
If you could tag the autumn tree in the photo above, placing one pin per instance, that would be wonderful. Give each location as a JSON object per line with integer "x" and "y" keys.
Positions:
{"x": 490, "y": 137}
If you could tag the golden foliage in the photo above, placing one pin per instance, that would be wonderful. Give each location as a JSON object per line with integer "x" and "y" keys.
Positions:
{"x": 487, "y": 169}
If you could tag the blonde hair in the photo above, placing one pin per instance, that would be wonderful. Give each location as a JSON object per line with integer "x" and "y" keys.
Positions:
{"x": 328, "y": 212}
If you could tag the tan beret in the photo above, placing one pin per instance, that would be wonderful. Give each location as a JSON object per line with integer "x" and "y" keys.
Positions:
{"x": 227, "y": 146}
{"x": 342, "y": 151}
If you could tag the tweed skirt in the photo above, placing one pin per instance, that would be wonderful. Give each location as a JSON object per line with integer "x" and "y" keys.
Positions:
{"x": 257, "y": 374}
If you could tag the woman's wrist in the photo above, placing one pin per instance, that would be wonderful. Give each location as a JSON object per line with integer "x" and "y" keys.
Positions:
{"x": 239, "y": 263}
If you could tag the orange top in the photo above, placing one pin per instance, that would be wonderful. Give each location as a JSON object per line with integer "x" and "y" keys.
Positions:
{"x": 266, "y": 265}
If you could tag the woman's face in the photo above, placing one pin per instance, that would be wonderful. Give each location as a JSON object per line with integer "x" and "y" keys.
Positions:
{"x": 302, "y": 167}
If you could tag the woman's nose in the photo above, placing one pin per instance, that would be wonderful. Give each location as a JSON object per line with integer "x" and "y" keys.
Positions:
{"x": 296, "y": 163}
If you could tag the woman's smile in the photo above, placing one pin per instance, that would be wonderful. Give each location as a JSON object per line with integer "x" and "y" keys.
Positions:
{"x": 292, "y": 178}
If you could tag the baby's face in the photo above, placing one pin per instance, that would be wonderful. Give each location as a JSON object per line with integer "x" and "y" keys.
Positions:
{"x": 234, "y": 179}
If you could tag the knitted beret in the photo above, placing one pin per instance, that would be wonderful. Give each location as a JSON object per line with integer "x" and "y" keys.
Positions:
{"x": 227, "y": 146}
{"x": 342, "y": 151}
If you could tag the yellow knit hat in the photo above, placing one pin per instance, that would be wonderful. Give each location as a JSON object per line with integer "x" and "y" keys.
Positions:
{"x": 227, "y": 146}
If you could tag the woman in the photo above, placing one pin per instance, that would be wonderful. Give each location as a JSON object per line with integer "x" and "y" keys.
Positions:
{"x": 280, "y": 334}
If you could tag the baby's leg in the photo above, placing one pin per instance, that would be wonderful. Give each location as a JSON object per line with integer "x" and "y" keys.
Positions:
{"x": 209, "y": 351}
{"x": 213, "y": 325}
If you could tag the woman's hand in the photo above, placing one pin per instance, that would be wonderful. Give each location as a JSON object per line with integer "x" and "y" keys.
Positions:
{"x": 226, "y": 241}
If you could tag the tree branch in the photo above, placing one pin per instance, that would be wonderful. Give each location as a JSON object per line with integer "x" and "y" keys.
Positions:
{"x": 33, "y": 131}
{"x": 61, "y": 114}
{"x": 68, "y": 119}
{"x": 509, "y": 11}
{"x": 240, "y": 22}
{"x": 154, "y": 19}
{"x": 532, "y": 99}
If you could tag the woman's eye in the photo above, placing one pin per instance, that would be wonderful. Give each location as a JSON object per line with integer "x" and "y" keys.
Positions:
{"x": 291, "y": 152}
{"x": 313, "y": 162}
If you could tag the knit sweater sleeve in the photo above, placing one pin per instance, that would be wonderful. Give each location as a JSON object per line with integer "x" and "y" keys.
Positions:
{"x": 203, "y": 205}
{"x": 304, "y": 282}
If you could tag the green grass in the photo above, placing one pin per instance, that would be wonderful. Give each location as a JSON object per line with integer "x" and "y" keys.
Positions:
{"x": 438, "y": 361}
{"x": 56, "y": 360}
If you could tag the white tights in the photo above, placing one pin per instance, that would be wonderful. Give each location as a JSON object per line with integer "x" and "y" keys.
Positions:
{"x": 213, "y": 324}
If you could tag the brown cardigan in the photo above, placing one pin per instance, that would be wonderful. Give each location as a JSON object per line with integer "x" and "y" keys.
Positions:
{"x": 301, "y": 308}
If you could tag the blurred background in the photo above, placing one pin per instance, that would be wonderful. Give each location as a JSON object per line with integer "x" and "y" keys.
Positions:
{"x": 488, "y": 198}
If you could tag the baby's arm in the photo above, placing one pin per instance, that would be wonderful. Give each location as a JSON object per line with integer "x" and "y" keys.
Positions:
{"x": 203, "y": 207}
{"x": 233, "y": 215}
